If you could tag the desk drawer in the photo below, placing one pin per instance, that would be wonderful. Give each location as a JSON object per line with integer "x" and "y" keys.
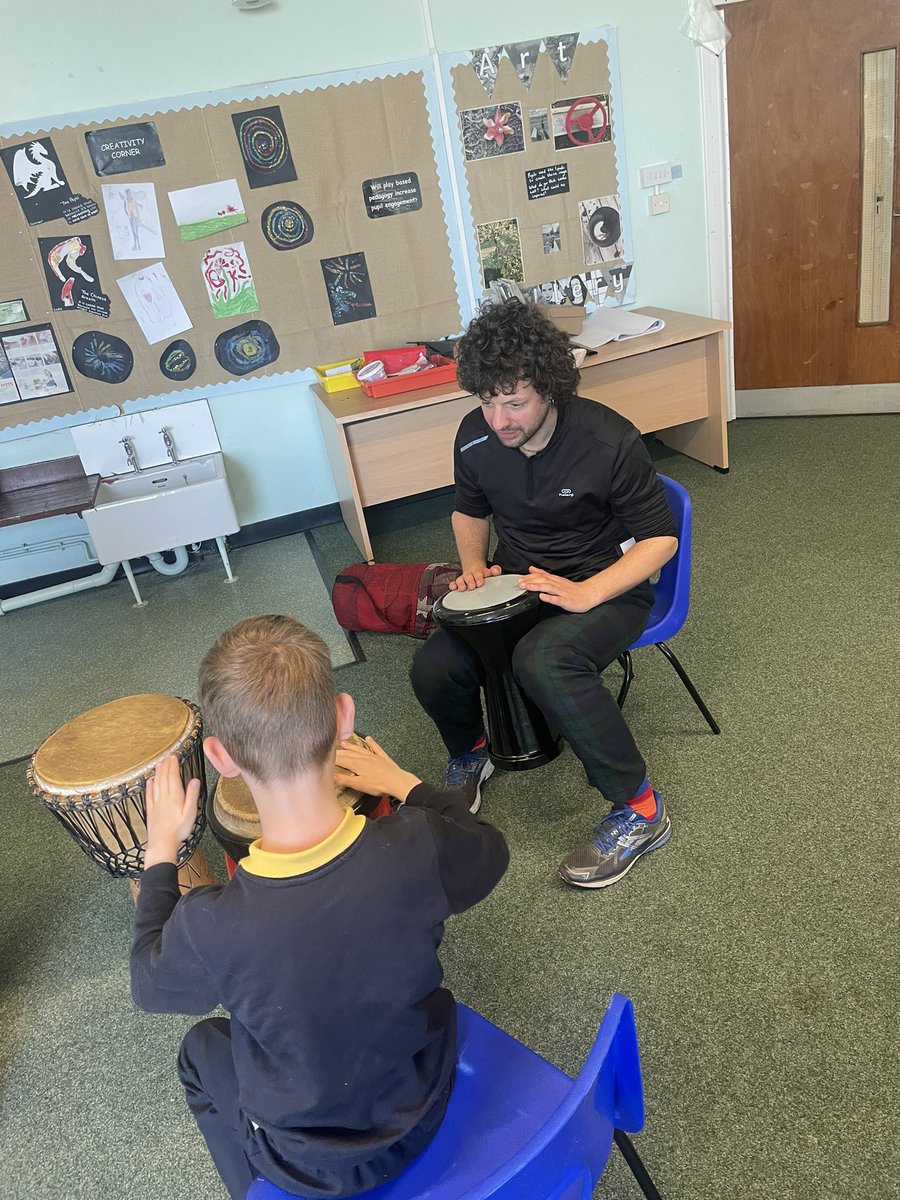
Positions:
{"x": 405, "y": 452}
{"x": 654, "y": 390}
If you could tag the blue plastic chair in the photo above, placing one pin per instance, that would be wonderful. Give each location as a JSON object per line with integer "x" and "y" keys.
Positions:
{"x": 670, "y": 608}
{"x": 517, "y": 1127}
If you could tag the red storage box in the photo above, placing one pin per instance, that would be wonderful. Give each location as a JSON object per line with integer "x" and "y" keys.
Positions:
{"x": 442, "y": 370}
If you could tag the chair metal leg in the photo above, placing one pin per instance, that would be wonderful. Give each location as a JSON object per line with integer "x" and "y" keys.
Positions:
{"x": 638, "y": 1170}
{"x": 685, "y": 679}
{"x": 624, "y": 661}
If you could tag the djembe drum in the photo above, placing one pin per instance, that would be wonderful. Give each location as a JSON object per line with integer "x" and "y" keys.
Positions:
{"x": 492, "y": 619}
{"x": 234, "y": 820}
{"x": 92, "y": 775}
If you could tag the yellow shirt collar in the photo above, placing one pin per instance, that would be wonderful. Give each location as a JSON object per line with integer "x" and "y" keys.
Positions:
{"x": 272, "y": 865}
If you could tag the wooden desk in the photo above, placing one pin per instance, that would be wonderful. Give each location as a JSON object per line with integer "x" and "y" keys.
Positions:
{"x": 46, "y": 489}
{"x": 670, "y": 383}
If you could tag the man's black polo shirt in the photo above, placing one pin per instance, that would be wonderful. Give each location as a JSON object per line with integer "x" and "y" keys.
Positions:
{"x": 569, "y": 507}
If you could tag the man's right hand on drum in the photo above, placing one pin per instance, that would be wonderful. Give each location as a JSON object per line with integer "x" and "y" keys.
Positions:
{"x": 171, "y": 812}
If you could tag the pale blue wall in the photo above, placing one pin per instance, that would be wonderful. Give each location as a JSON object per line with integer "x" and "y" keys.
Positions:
{"x": 72, "y": 58}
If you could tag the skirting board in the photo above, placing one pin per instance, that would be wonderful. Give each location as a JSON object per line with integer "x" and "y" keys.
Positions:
{"x": 844, "y": 400}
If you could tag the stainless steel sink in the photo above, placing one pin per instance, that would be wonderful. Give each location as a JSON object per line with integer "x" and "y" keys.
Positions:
{"x": 161, "y": 507}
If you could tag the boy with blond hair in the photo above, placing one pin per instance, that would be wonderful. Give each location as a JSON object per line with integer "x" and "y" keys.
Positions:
{"x": 335, "y": 1066}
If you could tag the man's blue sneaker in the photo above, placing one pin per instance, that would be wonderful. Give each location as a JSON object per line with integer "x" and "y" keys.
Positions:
{"x": 469, "y": 771}
{"x": 619, "y": 841}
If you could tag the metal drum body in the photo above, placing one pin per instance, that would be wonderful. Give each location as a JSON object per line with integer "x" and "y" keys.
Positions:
{"x": 491, "y": 620}
{"x": 234, "y": 820}
{"x": 92, "y": 774}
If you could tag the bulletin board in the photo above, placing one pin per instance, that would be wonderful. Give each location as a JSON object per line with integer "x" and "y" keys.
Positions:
{"x": 540, "y": 163}
{"x": 306, "y": 226}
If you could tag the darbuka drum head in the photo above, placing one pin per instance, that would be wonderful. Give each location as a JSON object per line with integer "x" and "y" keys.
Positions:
{"x": 497, "y": 599}
{"x": 92, "y": 774}
{"x": 234, "y": 816}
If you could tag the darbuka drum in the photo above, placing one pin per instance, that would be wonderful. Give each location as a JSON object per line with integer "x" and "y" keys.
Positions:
{"x": 92, "y": 774}
{"x": 492, "y": 619}
{"x": 234, "y": 820}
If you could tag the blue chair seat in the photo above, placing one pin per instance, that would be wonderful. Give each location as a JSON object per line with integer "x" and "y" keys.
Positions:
{"x": 517, "y": 1127}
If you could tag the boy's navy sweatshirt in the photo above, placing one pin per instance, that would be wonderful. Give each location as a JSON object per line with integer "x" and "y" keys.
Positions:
{"x": 342, "y": 1035}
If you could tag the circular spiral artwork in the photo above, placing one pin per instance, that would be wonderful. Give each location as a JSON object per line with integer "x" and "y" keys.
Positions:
{"x": 263, "y": 143}
{"x": 286, "y": 225}
{"x": 178, "y": 360}
{"x": 102, "y": 356}
{"x": 247, "y": 348}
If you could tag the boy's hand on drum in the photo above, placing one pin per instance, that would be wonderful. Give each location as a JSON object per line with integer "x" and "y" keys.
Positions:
{"x": 474, "y": 578}
{"x": 171, "y": 812}
{"x": 373, "y": 771}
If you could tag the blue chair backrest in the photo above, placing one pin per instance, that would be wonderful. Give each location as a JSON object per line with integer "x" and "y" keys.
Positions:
{"x": 564, "y": 1160}
{"x": 673, "y": 589}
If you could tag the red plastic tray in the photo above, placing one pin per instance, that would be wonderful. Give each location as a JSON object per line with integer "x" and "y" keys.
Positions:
{"x": 443, "y": 371}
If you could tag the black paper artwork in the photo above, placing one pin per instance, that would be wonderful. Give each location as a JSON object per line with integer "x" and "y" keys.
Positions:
{"x": 102, "y": 356}
{"x": 391, "y": 195}
{"x": 72, "y": 277}
{"x": 286, "y": 225}
{"x": 349, "y": 288}
{"x": 264, "y": 146}
{"x": 178, "y": 361}
{"x": 248, "y": 347}
{"x": 547, "y": 181}
{"x": 40, "y": 184}
{"x": 125, "y": 148}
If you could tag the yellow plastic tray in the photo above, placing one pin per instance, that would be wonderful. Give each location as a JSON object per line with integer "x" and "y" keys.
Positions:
{"x": 336, "y": 383}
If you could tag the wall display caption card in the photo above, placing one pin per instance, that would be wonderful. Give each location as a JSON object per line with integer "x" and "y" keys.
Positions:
{"x": 547, "y": 181}
{"x": 229, "y": 280}
{"x": 34, "y": 363}
{"x": 125, "y": 148}
{"x": 102, "y": 356}
{"x": 154, "y": 303}
{"x": 207, "y": 209}
{"x": 264, "y": 147}
{"x": 490, "y": 132}
{"x": 133, "y": 220}
{"x": 392, "y": 195}
{"x": 349, "y": 288}
{"x": 70, "y": 270}
{"x": 40, "y": 184}
{"x": 286, "y": 225}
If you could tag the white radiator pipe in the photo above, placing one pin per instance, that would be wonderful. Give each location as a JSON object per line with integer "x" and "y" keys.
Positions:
{"x": 158, "y": 563}
{"x": 101, "y": 578}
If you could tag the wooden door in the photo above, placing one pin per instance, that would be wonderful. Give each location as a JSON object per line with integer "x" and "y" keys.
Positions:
{"x": 794, "y": 102}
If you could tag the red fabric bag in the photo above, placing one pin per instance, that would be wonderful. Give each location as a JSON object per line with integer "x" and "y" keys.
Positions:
{"x": 391, "y": 597}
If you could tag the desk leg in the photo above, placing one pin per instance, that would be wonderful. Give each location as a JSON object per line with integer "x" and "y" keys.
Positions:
{"x": 706, "y": 439}
{"x": 335, "y": 438}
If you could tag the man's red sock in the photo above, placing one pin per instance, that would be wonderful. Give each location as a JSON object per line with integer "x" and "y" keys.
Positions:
{"x": 644, "y": 802}
{"x": 480, "y": 744}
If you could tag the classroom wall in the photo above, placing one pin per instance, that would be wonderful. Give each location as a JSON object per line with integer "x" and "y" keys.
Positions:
{"x": 74, "y": 59}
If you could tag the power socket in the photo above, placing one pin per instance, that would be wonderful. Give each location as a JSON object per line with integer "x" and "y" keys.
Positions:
{"x": 659, "y": 203}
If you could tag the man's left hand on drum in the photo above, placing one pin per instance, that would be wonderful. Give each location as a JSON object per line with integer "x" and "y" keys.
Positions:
{"x": 171, "y": 812}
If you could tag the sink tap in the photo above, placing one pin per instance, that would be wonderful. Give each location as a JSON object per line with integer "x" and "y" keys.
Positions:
{"x": 130, "y": 454}
{"x": 170, "y": 443}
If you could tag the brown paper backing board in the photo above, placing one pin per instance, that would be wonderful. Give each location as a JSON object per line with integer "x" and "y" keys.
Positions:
{"x": 339, "y": 135}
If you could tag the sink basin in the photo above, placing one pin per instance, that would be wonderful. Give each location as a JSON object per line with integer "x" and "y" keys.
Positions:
{"x": 161, "y": 507}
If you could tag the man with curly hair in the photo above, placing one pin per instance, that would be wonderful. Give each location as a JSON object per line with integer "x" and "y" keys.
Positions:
{"x": 582, "y": 519}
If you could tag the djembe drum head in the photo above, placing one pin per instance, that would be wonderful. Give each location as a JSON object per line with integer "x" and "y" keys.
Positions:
{"x": 92, "y": 775}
